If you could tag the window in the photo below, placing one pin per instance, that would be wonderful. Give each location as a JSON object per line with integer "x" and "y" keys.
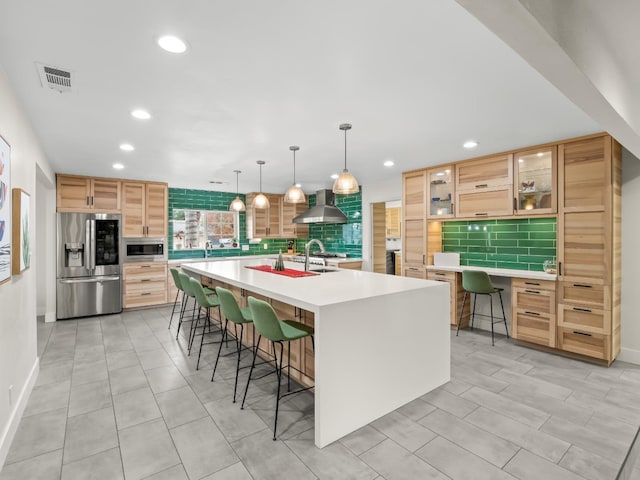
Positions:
{"x": 199, "y": 229}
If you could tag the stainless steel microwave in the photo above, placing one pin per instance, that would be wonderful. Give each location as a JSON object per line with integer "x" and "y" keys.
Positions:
{"x": 144, "y": 249}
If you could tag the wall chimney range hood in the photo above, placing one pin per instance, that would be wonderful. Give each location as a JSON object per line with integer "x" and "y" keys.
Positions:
{"x": 324, "y": 211}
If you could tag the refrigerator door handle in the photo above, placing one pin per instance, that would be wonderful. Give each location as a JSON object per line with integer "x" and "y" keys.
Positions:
{"x": 93, "y": 245}
{"x": 112, "y": 278}
{"x": 87, "y": 245}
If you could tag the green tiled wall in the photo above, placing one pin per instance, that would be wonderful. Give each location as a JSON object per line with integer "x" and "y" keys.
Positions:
{"x": 342, "y": 238}
{"x": 209, "y": 200}
{"x": 522, "y": 244}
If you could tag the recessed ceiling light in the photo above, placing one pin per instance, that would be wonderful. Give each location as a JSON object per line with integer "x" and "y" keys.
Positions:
{"x": 540, "y": 154}
{"x": 470, "y": 144}
{"x": 335, "y": 176}
{"x": 118, "y": 166}
{"x": 389, "y": 163}
{"x": 127, "y": 147}
{"x": 140, "y": 114}
{"x": 172, "y": 44}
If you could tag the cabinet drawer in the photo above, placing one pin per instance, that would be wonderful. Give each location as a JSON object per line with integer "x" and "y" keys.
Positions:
{"x": 415, "y": 272}
{"x": 533, "y": 284}
{"x": 484, "y": 173}
{"x": 488, "y": 202}
{"x": 584, "y": 319}
{"x": 537, "y": 329}
{"x": 139, "y": 287}
{"x": 534, "y": 302}
{"x": 133, "y": 271}
{"x": 588, "y": 294}
{"x": 585, "y": 343}
{"x": 441, "y": 275}
{"x": 145, "y": 299}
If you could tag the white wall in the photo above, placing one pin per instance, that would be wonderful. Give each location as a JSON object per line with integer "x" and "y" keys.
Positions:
{"x": 630, "y": 341}
{"x": 18, "y": 343}
{"x": 386, "y": 191}
{"x": 45, "y": 246}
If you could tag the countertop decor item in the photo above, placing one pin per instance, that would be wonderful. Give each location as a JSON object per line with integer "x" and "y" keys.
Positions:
{"x": 260, "y": 200}
{"x": 237, "y": 205}
{"x": 345, "y": 183}
{"x": 279, "y": 266}
{"x": 294, "y": 193}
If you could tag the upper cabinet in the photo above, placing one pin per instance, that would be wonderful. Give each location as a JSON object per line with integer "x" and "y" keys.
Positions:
{"x": 276, "y": 220}
{"x": 484, "y": 187}
{"x": 392, "y": 222}
{"x": 441, "y": 192}
{"x": 535, "y": 181}
{"x": 414, "y": 192}
{"x": 144, "y": 209}
{"x": 86, "y": 194}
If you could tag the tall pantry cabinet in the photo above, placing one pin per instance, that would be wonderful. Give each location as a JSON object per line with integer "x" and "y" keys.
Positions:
{"x": 589, "y": 247}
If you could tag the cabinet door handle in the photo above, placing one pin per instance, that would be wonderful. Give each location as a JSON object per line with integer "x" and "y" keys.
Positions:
{"x": 482, "y": 185}
{"x": 582, "y": 333}
{"x": 532, "y": 283}
{"x": 145, "y": 293}
{"x": 532, "y": 313}
{"x": 482, "y": 214}
{"x": 413, "y": 269}
{"x": 145, "y": 266}
{"x": 582, "y": 310}
{"x": 91, "y": 199}
{"x": 533, "y": 291}
{"x": 579, "y": 285}
{"x": 560, "y": 268}
{"x": 515, "y": 204}
{"x": 145, "y": 280}
{"x": 88, "y": 200}
{"x": 440, "y": 274}
{"x": 453, "y": 209}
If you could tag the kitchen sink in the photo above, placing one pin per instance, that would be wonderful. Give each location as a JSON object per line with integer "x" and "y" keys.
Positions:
{"x": 322, "y": 270}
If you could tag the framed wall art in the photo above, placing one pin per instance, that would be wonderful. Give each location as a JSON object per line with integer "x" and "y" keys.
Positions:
{"x": 21, "y": 259}
{"x": 5, "y": 211}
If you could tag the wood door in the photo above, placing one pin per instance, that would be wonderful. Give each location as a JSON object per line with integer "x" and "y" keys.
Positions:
{"x": 73, "y": 193}
{"x": 585, "y": 175}
{"x": 414, "y": 191}
{"x": 484, "y": 173}
{"x": 156, "y": 210}
{"x": 105, "y": 194}
{"x": 274, "y": 216}
{"x": 133, "y": 209}
{"x": 584, "y": 248}
{"x": 414, "y": 243}
{"x": 486, "y": 202}
{"x": 392, "y": 222}
{"x": 257, "y": 219}
{"x": 290, "y": 229}
{"x": 378, "y": 237}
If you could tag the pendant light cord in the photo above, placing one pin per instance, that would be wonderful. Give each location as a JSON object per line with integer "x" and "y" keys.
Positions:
{"x": 345, "y": 150}
{"x": 260, "y": 178}
{"x": 294, "y": 167}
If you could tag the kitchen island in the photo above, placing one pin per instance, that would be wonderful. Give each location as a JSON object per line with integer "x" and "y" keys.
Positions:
{"x": 381, "y": 341}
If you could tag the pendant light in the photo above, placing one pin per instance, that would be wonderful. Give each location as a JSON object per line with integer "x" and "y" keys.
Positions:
{"x": 294, "y": 194}
{"x": 260, "y": 200}
{"x": 345, "y": 183}
{"x": 237, "y": 205}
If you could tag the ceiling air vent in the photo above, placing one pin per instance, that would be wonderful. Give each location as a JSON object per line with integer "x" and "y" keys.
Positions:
{"x": 54, "y": 78}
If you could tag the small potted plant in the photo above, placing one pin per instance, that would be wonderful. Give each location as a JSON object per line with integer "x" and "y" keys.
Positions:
{"x": 234, "y": 242}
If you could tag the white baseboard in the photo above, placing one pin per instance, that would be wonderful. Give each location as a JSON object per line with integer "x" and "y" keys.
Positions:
{"x": 629, "y": 355}
{"x": 50, "y": 317}
{"x": 10, "y": 429}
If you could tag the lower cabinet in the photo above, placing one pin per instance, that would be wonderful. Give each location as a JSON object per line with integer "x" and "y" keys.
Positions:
{"x": 351, "y": 265}
{"x": 456, "y": 294}
{"x": 145, "y": 284}
{"x": 533, "y": 311}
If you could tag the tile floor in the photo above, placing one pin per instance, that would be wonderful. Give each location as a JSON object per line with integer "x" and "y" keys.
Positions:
{"x": 117, "y": 397}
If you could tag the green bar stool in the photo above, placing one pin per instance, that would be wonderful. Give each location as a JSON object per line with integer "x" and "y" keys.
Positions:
{"x": 187, "y": 292}
{"x": 269, "y": 326}
{"x": 237, "y": 316}
{"x": 176, "y": 282}
{"x": 478, "y": 282}
{"x": 207, "y": 302}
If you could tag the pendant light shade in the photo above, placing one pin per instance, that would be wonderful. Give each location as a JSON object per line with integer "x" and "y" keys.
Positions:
{"x": 294, "y": 194}
{"x": 260, "y": 200}
{"x": 237, "y": 205}
{"x": 345, "y": 183}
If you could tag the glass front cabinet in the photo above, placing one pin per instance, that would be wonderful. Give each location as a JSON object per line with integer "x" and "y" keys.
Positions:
{"x": 535, "y": 181}
{"x": 440, "y": 192}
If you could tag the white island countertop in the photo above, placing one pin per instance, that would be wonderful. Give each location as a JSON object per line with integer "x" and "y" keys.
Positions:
{"x": 381, "y": 341}
{"x": 499, "y": 272}
{"x": 309, "y": 293}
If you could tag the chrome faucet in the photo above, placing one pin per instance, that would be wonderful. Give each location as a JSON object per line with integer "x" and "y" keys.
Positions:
{"x": 307, "y": 247}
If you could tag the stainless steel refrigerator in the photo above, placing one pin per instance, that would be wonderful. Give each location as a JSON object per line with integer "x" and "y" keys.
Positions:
{"x": 89, "y": 279}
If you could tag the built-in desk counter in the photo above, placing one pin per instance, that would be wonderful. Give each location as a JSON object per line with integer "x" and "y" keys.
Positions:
{"x": 381, "y": 341}
{"x": 498, "y": 272}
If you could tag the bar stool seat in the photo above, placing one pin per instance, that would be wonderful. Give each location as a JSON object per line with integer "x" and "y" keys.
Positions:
{"x": 477, "y": 282}
{"x": 207, "y": 302}
{"x": 268, "y": 325}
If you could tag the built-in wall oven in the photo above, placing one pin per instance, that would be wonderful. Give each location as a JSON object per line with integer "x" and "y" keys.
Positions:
{"x": 144, "y": 249}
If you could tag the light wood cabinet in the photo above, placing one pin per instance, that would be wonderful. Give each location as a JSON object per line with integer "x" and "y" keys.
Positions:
{"x": 535, "y": 184}
{"x": 441, "y": 192}
{"x": 414, "y": 226}
{"x": 589, "y": 247}
{"x": 87, "y": 194}
{"x": 144, "y": 209}
{"x": 456, "y": 294}
{"x": 484, "y": 187}
{"x": 392, "y": 222}
{"x": 290, "y": 229}
{"x": 276, "y": 220}
{"x": 533, "y": 311}
{"x": 145, "y": 284}
{"x": 350, "y": 265}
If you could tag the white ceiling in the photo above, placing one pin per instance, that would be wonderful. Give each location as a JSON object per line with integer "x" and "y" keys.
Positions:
{"x": 415, "y": 78}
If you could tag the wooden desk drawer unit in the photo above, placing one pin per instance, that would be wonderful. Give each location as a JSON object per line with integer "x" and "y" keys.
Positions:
{"x": 145, "y": 284}
{"x": 533, "y": 311}
{"x": 585, "y": 294}
{"x": 584, "y": 319}
{"x": 590, "y": 344}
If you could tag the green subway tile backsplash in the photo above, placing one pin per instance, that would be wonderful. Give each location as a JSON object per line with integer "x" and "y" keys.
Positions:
{"x": 521, "y": 244}
{"x": 346, "y": 238}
